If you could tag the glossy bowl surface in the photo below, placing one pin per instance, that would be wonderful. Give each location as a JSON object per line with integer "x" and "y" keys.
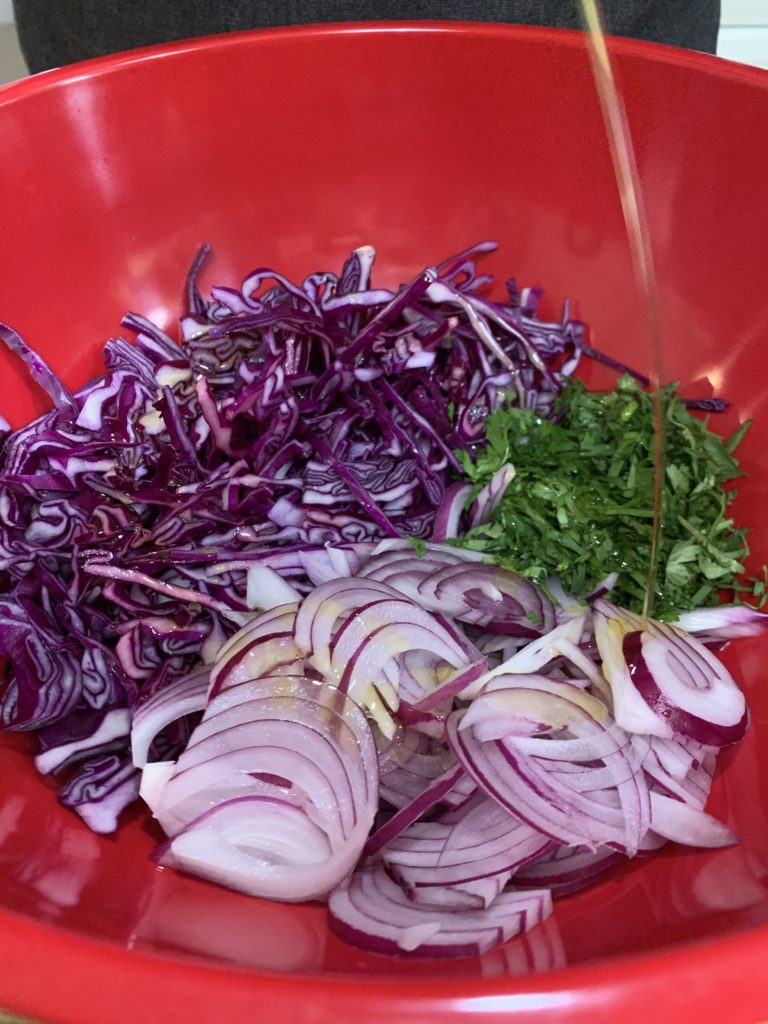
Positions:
{"x": 288, "y": 148}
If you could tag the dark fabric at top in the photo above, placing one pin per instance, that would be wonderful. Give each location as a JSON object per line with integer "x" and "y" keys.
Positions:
{"x": 56, "y": 32}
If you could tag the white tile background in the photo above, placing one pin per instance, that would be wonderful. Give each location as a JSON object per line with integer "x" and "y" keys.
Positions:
{"x": 744, "y": 31}
{"x": 743, "y": 35}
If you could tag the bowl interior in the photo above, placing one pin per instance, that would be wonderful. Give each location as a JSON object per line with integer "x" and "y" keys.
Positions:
{"x": 289, "y": 149}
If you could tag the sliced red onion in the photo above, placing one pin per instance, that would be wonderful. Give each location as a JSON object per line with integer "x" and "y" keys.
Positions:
{"x": 258, "y": 658}
{"x": 404, "y": 621}
{"x": 371, "y": 911}
{"x": 666, "y": 683}
{"x": 725, "y": 622}
{"x": 411, "y": 812}
{"x": 321, "y": 610}
{"x": 480, "y": 841}
{"x": 563, "y": 599}
{"x": 399, "y": 561}
{"x": 431, "y": 697}
{"x": 582, "y": 663}
{"x": 673, "y": 756}
{"x": 256, "y": 769}
{"x": 247, "y": 738}
{"x": 488, "y": 596}
{"x": 329, "y": 563}
{"x": 522, "y": 777}
{"x": 283, "y": 774}
{"x": 182, "y": 697}
{"x": 490, "y": 497}
{"x": 449, "y": 512}
{"x": 567, "y": 869}
{"x": 603, "y": 587}
{"x": 674, "y": 771}
{"x": 272, "y": 622}
{"x": 398, "y": 565}
{"x": 559, "y": 793}
{"x": 266, "y": 589}
{"x": 402, "y": 572}
{"x": 262, "y": 847}
{"x": 416, "y": 673}
{"x": 689, "y": 825}
{"x": 476, "y": 895}
{"x": 154, "y": 777}
{"x": 458, "y": 798}
{"x": 651, "y": 843}
{"x": 394, "y": 752}
{"x": 401, "y": 784}
{"x": 278, "y": 701}
{"x": 443, "y": 551}
{"x": 261, "y": 646}
{"x": 368, "y": 644}
{"x": 498, "y": 648}
{"x": 541, "y": 651}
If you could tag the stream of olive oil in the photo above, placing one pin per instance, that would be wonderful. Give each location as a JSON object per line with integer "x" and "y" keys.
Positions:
{"x": 641, "y": 252}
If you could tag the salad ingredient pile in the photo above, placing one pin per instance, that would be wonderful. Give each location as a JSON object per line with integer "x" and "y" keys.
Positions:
{"x": 336, "y": 582}
{"x": 373, "y": 699}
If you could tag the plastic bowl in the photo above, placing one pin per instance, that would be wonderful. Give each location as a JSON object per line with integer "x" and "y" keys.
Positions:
{"x": 288, "y": 148}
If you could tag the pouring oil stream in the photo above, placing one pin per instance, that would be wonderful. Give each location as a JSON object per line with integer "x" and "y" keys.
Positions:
{"x": 641, "y": 252}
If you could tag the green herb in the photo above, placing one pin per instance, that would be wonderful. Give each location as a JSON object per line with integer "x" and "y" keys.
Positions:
{"x": 418, "y": 545}
{"x": 581, "y": 503}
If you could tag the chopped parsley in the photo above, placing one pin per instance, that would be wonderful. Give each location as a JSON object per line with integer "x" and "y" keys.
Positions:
{"x": 418, "y": 545}
{"x": 581, "y": 503}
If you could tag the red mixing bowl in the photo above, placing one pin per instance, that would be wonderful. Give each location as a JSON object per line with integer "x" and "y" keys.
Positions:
{"x": 289, "y": 148}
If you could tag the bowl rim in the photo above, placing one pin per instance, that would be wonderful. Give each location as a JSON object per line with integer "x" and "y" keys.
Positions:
{"x": 637, "y": 984}
{"x": 17, "y": 90}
